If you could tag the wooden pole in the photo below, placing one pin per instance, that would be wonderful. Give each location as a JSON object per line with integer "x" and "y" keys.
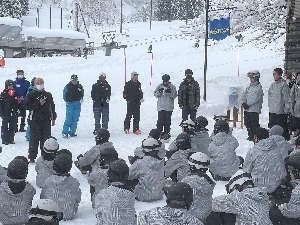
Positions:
{"x": 205, "y": 47}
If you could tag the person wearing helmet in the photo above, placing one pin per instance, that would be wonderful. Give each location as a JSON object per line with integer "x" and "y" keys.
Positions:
{"x": 149, "y": 171}
{"x": 44, "y": 212}
{"x": 165, "y": 93}
{"x": 31, "y": 87}
{"x": 101, "y": 92}
{"x": 264, "y": 161}
{"x": 202, "y": 184}
{"x": 179, "y": 200}
{"x": 177, "y": 166}
{"x": 189, "y": 96}
{"x": 294, "y": 129}
{"x": 250, "y": 204}
{"x": 279, "y": 102}
{"x": 252, "y": 99}
{"x": 288, "y": 213}
{"x": 16, "y": 194}
{"x": 8, "y": 112}
{"x": 201, "y": 135}
{"x": 44, "y": 164}
{"x": 108, "y": 200}
{"x": 223, "y": 159}
{"x": 62, "y": 188}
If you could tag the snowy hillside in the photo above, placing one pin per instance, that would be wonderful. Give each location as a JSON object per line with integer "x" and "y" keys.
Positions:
{"x": 173, "y": 54}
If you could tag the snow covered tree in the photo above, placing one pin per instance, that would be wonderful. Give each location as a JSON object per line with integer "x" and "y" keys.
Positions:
{"x": 13, "y": 8}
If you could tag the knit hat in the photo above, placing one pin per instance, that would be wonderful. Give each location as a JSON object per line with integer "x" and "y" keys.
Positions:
{"x": 278, "y": 70}
{"x": 102, "y": 74}
{"x": 155, "y": 133}
{"x": 165, "y": 78}
{"x": 188, "y": 72}
{"x": 276, "y": 130}
{"x": 134, "y": 74}
{"x": 74, "y": 77}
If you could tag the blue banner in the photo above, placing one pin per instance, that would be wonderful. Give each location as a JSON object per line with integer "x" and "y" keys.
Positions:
{"x": 219, "y": 29}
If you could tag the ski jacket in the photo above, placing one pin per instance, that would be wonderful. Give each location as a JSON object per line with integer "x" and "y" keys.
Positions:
{"x": 8, "y": 104}
{"x": 189, "y": 93}
{"x": 44, "y": 169}
{"x": 161, "y": 152}
{"x": 265, "y": 164}
{"x": 65, "y": 191}
{"x": 284, "y": 146}
{"x": 40, "y": 112}
{"x": 150, "y": 173}
{"x": 14, "y": 208}
{"x": 295, "y": 100}
{"x": 165, "y": 101}
{"x": 253, "y": 96}
{"x": 251, "y": 206}
{"x": 98, "y": 179}
{"x": 100, "y": 91}
{"x": 292, "y": 208}
{"x": 202, "y": 196}
{"x": 3, "y": 174}
{"x": 72, "y": 93}
{"x": 21, "y": 86}
{"x": 279, "y": 97}
{"x": 223, "y": 159}
{"x": 133, "y": 91}
{"x": 178, "y": 162}
{"x": 167, "y": 216}
{"x": 115, "y": 206}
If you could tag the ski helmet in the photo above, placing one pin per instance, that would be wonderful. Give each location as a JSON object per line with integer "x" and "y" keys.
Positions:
{"x": 102, "y": 136}
{"x": 62, "y": 163}
{"x": 9, "y": 82}
{"x": 51, "y": 145}
{"x": 254, "y": 74}
{"x": 17, "y": 169}
{"x": 179, "y": 195}
{"x": 201, "y": 122}
{"x": 46, "y": 209}
{"x": 239, "y": 181}
{"x": 150, "y": 144}
{"x": 165, "y": 78}
{"x": 261, "y": 133}
{"x": 221, "y": 126}
{"x": 183, "y": 141}
{"x": 188, "y": 126}
{"x": 66, "y": 151}
{"x": 293, "y": 163}
{"x": 199, "y": 160}
{"x": 107, "y": 155}
{"x": 155, "y": 133}
{"x": 118, "y": 170}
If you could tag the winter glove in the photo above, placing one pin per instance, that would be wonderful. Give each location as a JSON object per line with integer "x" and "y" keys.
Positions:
{"x": 142, "y": 100}
{"x": 107, "y": 100}
{"x": 80, "y": 156}
{"x": 168, "y": 90}
{"x": 245, "y": 105}
{"x": 81, "y": 101}
{"x": 160, "y": 90}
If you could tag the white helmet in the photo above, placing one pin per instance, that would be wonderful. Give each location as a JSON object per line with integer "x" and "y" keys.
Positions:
{"x": 51, "y": 145}
{"x": 150, "y": 144}
{"x": 199, "y": 160}
{"x": 240, "y": 178}
{"x": 253, "y": 73}
{"x": 46, "y": 209}
{"x": 190, "y": 124}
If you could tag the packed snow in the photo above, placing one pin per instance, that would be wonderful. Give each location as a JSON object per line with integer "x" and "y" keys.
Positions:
{"x": 172, "y": 54}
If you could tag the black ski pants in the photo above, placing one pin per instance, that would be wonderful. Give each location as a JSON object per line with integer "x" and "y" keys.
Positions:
{"x": 281, "y": 120}
{"x": 278, "y": 219}
{"x": 164, "y": 121}
{"x": 133, "y": 110}
{"x": 22, "y": 114}
{"x": 251, "y": 121}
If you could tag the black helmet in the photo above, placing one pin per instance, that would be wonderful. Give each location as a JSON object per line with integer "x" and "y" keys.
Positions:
{"x": 102, "y": 136}
{"x": 183, "y": 141}
{"x": 165, "y": 78}
{"x": 9, "y": 82}
{"x": 17, "y": 169}
{"x": 118, "y": 171}
{"x": 107, "y": 155}
{"x": 155, "y": 133}
{"x": 179, "y": 195}
{"x": 201, "y": 122}
{"x": 221, "y": 126}
{"x": 293, "y": 163}
{"x": 62, "y": 163}
{"x": 261, "y": 133}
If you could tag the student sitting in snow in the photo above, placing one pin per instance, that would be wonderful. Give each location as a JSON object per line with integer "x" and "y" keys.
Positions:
{"x": 44, "y": 164}
{"x": 177, "y": 167}
{"x": 115, "y": 204}
{"x": 138, "y": 152}
{"x": 223, "y": 160}
{"x": 62, "y": 188}
{"x": 16, "y": 194}
{"x": 202, "y": 184}
{"x": 276, "y": 132}
{"x": 149, "y": 171}
{"x": 295, "y": 129}
{"x": 249, "y": 203}
{"x": 179, "y": 200}
{"x": 202, "y": 136}
{"x": 264, "y": 161}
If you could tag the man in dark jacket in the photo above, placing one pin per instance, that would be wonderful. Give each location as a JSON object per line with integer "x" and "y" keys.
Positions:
{"x": 42, "y": 114}
{"x": 189, "y": 96}
{"x": 73, "y": 95}
{"x": 101, "y": 92}
{"x": 21, "y": 86}
{"x": 134, "y": 96}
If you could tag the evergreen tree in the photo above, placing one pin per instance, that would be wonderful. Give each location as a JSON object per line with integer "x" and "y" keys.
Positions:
{"x": 13, "y": 8}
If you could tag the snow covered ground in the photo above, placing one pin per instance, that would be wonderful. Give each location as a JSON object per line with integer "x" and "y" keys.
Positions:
{"x": 172, "y": 55}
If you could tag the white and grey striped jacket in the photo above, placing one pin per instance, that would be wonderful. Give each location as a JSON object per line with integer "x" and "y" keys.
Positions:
{"x": 44, "y": 169}
{"x": 65, "y": 191}
{"x": 253, "y": 96}
{"x": 223, "y": 159}
{"x": 202, "y": 196}
{"x": 150, "y": 173}
{"x": 14, "y": 208}
{"x": 251, "y": 206}
{"x": 115, "y": 206}
{"x": 167, "y": 216}
{"x": 265, "y": 163}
